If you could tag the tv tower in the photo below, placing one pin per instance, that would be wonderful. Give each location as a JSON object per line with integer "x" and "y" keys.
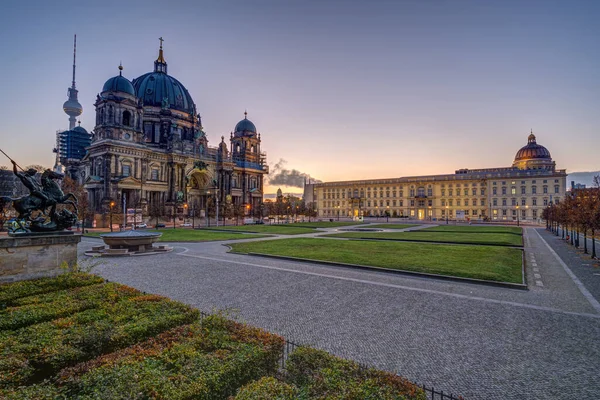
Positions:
{"x": 72, "y": 107}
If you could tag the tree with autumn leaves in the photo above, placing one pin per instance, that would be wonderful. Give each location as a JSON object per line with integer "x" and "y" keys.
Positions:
{"x": 578, "y": 214}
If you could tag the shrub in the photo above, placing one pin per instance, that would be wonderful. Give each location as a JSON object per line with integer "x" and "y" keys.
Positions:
{"x": 323, "y": 376}
{"x": 267, "y": 388}
{"x": 9, "y": 292}
{"x": 210, "y": 360}
{"x": 35, "y": 352}
{"x": 40, "y": 308}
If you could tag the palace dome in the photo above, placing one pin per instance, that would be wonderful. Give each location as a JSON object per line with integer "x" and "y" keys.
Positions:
{"x": 119, "y": 84}
{"x": 245, "y": 125}
{"x": 532, "y": 150}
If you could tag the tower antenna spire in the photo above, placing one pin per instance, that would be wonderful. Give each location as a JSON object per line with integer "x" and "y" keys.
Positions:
{"x": 74, "y": 54}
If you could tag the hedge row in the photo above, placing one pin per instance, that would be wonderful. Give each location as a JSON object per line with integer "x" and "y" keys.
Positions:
{"x": 210, "y": 360}
{"x": 316, "y": 374}
{"x": 35, "y": 352}
{"x": 9, "y": 292}
{"x": 40, "y": 308}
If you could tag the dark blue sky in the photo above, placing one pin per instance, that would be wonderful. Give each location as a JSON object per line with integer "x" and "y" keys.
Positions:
{"x": 341, "y": 90}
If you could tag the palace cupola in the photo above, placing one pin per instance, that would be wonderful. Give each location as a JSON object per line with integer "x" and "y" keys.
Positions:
{"x": 533, "y": 156}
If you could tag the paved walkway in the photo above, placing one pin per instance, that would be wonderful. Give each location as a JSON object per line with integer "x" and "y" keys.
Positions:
{"x": 478, "y": 341}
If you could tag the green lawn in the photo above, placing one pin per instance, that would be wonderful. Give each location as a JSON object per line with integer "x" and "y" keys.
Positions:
{"x": 480, "y": 262}
{"x": 475, "y": 229}
{"x": 270, "y": 229}
{"x": 323, "y": 224}
{"x": 503, "y": 239}
{"x": 192, "y": 235}
{"x": 391, "y": 226}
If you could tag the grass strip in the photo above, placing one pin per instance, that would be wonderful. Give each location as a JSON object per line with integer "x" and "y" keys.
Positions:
{"x": 10, "y": 292}
{"x": 40, "y": 308}
{"x": 493, "y": 239}
{"x": 499, "y": 264}
{"x": 268, "y": 229}
{"x": 391, "y": 226}
{"x": 193, "y": 235}
{"x": 475, "y": 229}
{"x": 36, "y": 352}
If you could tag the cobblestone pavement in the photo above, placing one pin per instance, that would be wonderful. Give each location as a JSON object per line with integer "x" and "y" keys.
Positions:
{"x": 478, "y": 341}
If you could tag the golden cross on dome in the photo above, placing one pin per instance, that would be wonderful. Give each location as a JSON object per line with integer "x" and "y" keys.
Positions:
{"x": 161, "y": 40}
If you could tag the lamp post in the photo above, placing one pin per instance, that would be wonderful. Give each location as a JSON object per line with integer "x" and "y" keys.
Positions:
{"x": 387, "y": 214}
{"x": 447, "y": 211}
{"x": 185, "y": 207}
{"x": 112, "y": 204}
{"x": 193, "y": 215}
{"x": 517, "y": 215}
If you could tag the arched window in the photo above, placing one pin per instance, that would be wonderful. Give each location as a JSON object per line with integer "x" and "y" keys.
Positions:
{"x": 126, "y": 118}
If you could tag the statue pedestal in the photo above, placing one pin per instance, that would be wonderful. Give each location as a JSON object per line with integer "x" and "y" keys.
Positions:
{"x": 31, "y": 256}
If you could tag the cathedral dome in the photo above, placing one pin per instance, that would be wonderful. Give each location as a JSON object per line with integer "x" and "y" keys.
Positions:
{"x": 245, "y": 125}
{"x": 118, "y": 84}
{"x": 154, "y": 87}
{"x": 532, "y": 150}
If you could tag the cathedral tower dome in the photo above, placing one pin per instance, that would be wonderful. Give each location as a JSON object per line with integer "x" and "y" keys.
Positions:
{"x": 119, "y": 84}
{"x": 245, "y": 126}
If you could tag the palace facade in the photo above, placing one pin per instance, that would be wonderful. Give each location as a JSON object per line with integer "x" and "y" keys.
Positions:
{"x": 521, "y": 191}
{"x": 149, "y": 151}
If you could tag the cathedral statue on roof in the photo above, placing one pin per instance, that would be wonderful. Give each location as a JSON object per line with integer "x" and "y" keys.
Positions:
{"x": 148, "y": 142}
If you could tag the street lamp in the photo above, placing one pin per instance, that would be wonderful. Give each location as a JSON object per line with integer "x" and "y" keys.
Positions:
{"x": 193, "y": 214}
{"x": 112, "y": 204}
{"x": 387, "y": 214}
{"x": 517, "y": 215}
{"x": 338, "y": 213}
{"x": 447, "y": 214}
{"x": 185, "y": 206}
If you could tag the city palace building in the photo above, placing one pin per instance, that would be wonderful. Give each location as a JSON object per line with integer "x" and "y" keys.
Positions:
{"x": 520, "y": 191}
{"x": 148, "y": 151}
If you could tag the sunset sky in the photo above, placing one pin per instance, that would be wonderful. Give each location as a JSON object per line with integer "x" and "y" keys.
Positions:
{"x": 339, "y": 90}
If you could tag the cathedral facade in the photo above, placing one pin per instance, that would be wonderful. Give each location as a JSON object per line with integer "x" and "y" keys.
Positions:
{"x": 518, "y": 192}
{"x": 149, "y": 151}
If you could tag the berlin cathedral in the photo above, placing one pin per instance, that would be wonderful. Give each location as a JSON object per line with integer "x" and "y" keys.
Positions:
{"x": 148, "y": 150}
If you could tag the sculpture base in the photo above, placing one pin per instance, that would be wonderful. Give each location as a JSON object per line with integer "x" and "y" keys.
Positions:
{"x": 36, "y": 255}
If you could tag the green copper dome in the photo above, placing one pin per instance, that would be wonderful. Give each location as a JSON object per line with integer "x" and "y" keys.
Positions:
{"x": 245, "y": 125}
{"x": 119, "y": 84}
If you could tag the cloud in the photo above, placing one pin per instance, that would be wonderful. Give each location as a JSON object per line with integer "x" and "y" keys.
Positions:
{"x": 279, "y": 175}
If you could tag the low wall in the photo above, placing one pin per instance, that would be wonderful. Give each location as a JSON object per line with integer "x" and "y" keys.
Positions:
{"x": 35, "y": 256}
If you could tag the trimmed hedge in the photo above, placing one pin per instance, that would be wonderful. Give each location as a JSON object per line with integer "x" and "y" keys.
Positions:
{"x": 35, "y": 352}
{"x": 320, "y": 375}
{"x": 210, "y": 360}
{"x": 40, "y": 308}
{"x": 9, "y": 292}
{"x": 267, "y": 388}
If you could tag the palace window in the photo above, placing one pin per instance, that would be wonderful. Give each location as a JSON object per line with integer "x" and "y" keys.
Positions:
{"x": 154, "y": 174}
{"x": 483, "y": 191}
{"x": 545, "y": 202}
{"x": 466, "y": 202}
{"x": 443, "y": 192}
{"x": 504, "y": 212}
{"x": 494, "y": 191}
{"x": 401, "y": 203}
{"x": 443, "y": 203}
{"x": 412, "y": 203}
{"x": 394, "y": 203}
{"x": 522, "y": 189}
{"x": 466, "y": 192}
{"x": 421, "y": 191}
{"x": 545, "y": 181}
{"x": 449, "y": 192}
{"x": 450, "y": 202}
{"x": 466, "y": 212}
{"x": 534, "y": 189}
{"x": 474, "y": 192}
{"x": 369, "y": 203}
{"x": 394, "y": 193}
{"x": 545, "y": 189}
{"x": 523, "y": 201}
{"x": 126, "y": 170}
{"x": 513, "y": 201}
{"x": 482, "y": 202}
{"x": 504, "y": 190}
{"x": 495, "y": 202}
{"x": 421, "y": 203}
{"x": 556, "y": 188}
{"x": 412, "y": 192}
{"x": 126, "y": 118}
{"x": 534, "y": 213}
{"x": 458, "y": 203}
{"x": 343, "y": 195}
{"x": 430, "y": 203}
{"x": 430, "y": 192}
{"x": 534, "y": 201}
{"x": 503, "y": 202}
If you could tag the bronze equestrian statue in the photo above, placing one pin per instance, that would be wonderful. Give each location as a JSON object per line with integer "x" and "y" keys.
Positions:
{"x": 42, "y": 196}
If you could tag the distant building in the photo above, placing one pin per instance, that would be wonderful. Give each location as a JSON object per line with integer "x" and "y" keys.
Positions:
{"x": 500, "y": 194}
{"x": 576, "y": 186}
